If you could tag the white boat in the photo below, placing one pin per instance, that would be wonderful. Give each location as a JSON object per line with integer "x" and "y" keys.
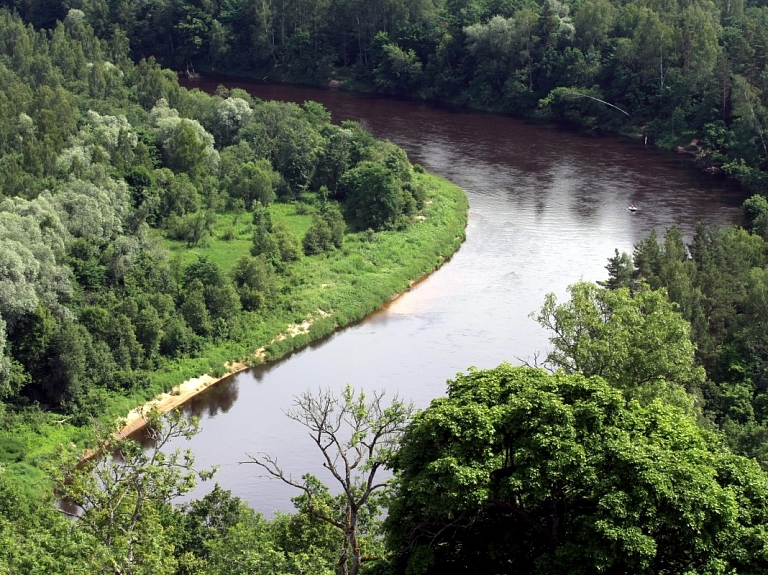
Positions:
{"x": 632, "y": 208}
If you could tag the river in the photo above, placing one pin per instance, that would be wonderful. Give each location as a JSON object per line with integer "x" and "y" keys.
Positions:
{"x": 547, "y": 208}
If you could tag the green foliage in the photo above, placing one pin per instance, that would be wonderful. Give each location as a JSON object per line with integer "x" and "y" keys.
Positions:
{"x": 687, "y": 72}
{"x": 559, "y": 474}
{"x": 325, "y": 233}
{"x": 274, "y": 241}
{"x": 620, "y": 271}
{"x": 255, "y": 280}
{"x": 756, "y": 214}
{"x": 98, "y": 317}
{"x": 254, "y": 182}
{"x": 357, "y": 437}
{"x": 11, "y": 450}
{"x": 124, "y": 497}
{"x": 374, "y": 197}
{"x": 720, "y": 291}
{"x": 34, "y": 536}
{"x": 635, "y": 341}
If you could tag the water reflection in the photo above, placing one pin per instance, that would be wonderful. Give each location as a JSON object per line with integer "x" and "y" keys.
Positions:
{"x": 219, "y": 399}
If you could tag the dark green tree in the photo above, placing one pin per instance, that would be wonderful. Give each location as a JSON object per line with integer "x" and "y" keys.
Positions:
{"x": 519, "y": 469}
{"x": 756, "y": 214}
{"x": 255, "y": 281}
{"x": 373, "y": 196}
{"x": 620, "y": 271}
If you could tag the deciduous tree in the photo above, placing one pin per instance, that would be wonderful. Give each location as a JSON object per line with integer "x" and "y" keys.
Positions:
{"x": 637, "y": 342}
{"x": 124, "y": 490}
{"x": 356, "y": 437}
{"x": 518, "y": 470}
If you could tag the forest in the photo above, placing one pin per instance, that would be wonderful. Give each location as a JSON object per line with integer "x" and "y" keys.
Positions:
{"x": 679, "y": 73}
{"x": 149, "y": 234}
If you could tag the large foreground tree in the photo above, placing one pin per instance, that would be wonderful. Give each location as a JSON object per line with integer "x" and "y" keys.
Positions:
{"x": 521, "y": 471}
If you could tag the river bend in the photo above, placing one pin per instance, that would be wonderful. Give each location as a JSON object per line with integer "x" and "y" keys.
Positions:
{"x": 547, "y": 208}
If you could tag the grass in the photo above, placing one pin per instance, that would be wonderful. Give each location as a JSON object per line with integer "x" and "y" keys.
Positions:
{"x": 331, "y": 289}
{"x": 238, "y": 226}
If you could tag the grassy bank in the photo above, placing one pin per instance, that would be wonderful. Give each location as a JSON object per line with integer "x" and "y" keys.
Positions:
{"x": 322, "y": 292}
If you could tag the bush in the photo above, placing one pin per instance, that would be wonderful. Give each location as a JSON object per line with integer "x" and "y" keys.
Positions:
{"x": 325, "y": 233}
{"x": 318, "y": 237}
{"x": 12, "y": 450}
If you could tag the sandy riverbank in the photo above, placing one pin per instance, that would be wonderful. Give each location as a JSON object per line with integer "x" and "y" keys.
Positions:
{"x": 188, "y": 389}
{"x": 177, "y": 397}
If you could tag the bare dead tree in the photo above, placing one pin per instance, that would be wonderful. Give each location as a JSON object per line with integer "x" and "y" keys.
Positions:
{"x": 356, "y": 438}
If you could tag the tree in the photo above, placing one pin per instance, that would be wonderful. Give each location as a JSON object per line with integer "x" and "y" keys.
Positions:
{"x": 637, "y": 342}
{"x": 593, "y": 21}
{"x": 93, "y": 211}
{"x": 124, "y": 490}
{"x": 325, "y": 233}
{"x": 356, "y": 437}
{"x": 67, "y": 380}
{"x": 254, "y": 279}
{"x": 374, "y": 197}
{"x": 34, "y": 536}
{"x": 32, "y": 245}
{"x": 275, "y": 241}
{"x": 521, "y": 471}
{"x": 396, "y": 71}
{"x": 207, "y": 519}
{"x": 188, "y": 147}
{"x": 194, "y": 310}
{"x": 253, "y": 181}
{"x": 318, "y": 237}
{"x": 6, "y": 384}
{"x": 186, "y": 151}
{"x": 231, "y": 115}
{"x": 756, "y": 214}
{"x": 619, "y": 271}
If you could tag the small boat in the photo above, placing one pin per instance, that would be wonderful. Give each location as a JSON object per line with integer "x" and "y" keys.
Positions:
{"x": 631, "y": 208}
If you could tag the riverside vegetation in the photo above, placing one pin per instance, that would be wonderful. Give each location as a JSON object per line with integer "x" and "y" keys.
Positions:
{"x": 149, "y": 233}
{"x": 139, "y": 250}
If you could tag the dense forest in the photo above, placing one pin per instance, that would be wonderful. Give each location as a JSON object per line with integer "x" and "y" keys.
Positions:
{"x": 149, "y": 233}
{"x": 688, "y": 74}
{"x": 105, "y": 167}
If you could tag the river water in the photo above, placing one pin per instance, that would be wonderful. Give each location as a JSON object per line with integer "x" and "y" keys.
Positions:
{"x": 547, "y": 208}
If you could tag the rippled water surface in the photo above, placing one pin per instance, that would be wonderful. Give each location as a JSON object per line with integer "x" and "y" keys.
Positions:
{"x": 547, "y": 208}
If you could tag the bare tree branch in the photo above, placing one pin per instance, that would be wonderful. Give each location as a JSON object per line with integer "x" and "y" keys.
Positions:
{"x": 356, "y": 437}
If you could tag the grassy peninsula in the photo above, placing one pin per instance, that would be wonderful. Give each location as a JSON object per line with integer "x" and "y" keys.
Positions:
{"x": 323, "y": 292}
{"x": 319, "y": 294}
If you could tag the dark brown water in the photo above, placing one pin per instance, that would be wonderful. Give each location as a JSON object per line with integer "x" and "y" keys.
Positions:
{"x": 547, "y": 208}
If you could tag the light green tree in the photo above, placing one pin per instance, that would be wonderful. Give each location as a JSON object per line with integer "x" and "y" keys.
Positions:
{"x": 123, "y": 492}
{"x": 635, "y": 341}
